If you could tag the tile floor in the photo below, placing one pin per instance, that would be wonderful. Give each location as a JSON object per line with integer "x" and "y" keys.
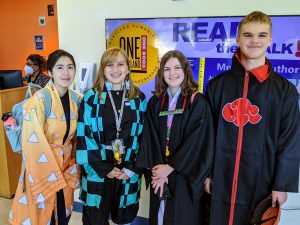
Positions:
{"x": 290, "y": 212}
{"x": 5, "y": 205}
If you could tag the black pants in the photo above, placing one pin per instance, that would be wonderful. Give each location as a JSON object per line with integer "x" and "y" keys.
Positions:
{"x": 61, "y": 210}
{"x": 109, "y": 206}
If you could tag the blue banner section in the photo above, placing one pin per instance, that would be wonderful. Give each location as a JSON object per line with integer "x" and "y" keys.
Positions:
{"x": 289, "y": 69}
{"x": 209, "y": 44}
{"x": 194, "y": 63}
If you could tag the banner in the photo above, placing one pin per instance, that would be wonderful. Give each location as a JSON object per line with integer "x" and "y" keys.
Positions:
{"x": 208, "y": 43}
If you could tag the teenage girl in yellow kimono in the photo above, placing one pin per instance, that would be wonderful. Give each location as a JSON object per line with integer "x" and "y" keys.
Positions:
{"x": 45, "y": 191}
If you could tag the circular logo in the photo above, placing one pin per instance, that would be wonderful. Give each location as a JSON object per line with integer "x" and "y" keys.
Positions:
{"x": 139, "y": 41}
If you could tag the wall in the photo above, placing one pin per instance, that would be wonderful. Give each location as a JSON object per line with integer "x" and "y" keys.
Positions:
{"x": 19, "y": 21}
{"x": 81, "y": 24}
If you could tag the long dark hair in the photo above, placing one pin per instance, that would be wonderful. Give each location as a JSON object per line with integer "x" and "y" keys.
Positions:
{"x": 55, "y": 56}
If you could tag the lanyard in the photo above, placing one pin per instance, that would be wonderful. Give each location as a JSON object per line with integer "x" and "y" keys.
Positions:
{"x": 170, "y": 113}
{"x": 118, "y": 119}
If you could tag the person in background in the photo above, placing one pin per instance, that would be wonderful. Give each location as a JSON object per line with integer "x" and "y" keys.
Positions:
{"x": 177, "y": 144}
{"x": 34, "y": 68}
{"x": 257, "y": 124}
{"x": 110, "y": 123}
{"x": 45, "y": 191}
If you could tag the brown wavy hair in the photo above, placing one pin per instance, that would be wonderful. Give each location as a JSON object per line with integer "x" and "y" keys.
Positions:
{"x": 39, "y": 61}
{"x": 188, "y": 85}
{"x": 110, "y": 56}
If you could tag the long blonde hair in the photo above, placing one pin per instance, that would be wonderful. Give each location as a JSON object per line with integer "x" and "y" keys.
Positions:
{"x": 110, "y": 56}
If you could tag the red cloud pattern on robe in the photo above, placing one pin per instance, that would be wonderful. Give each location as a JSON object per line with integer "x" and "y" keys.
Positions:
{"x": 240, "y": 112}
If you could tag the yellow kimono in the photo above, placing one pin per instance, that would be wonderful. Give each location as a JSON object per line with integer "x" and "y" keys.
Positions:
{"x": 49, "y": 165}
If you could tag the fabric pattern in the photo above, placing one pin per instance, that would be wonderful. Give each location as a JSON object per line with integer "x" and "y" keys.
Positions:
{"x": 41, "y": 79}
{"x": 257, "y": 132}
{"x": 91, "y": 149}
{"x": 49, "y": 165}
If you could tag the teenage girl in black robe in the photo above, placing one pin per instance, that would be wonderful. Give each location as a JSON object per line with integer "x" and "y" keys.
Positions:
{"x": 177, "y": 144}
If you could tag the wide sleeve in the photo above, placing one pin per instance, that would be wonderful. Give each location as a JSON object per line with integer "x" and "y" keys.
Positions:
{"x": 136, "y": 132}
{"x": 88, "y": 151}
{"x": 211, "y": 100}
{"x": 149, "y": 154}
{"x": 286, "y": 177}
{"x": 43, "y": 174}
{"x": 193, "y": 158}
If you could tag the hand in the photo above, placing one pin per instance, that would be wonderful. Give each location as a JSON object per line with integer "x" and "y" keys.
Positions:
{"x": 114, "y": 173}
{"x": 158, "y": 183}
{"x": 123, "y": 176}
{"x": 278, "y": 196}
{"x": 162, "y": 170}
{"x": 208, "y": 185}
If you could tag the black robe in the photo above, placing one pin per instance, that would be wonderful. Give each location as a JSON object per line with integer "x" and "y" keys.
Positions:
{"x": 269, "y": 158}
{"x": 191, "y": 153}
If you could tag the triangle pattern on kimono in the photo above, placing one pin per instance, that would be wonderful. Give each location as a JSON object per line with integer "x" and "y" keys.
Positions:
{"x": 61, "y": 153}
{"x": 40, "y": 95}
{"x": 74, "y": 170}
{"x": 40, "y": 198}
{"x": 42, "y": 205}
{"x": 24, "y": 112}
{"x": 52, "y": 177}
{"x": 63, "y": 117}
{"x": 72, "y": 117}
{"x": 23, "y": 157}
{"x": 43, "y": 158}
{"x": 26, "y": 117}
{"x": 27, "y": 221}
{"x": 23, "y": 200}
{"x": 33, "y": 138}
{"x": 30, "y": 179}
{"x": 52, "y": 115}
{"x": 10, "y": 215}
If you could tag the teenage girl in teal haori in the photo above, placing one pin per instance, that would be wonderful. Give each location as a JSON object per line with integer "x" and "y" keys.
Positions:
{"x": 111, "y": 118}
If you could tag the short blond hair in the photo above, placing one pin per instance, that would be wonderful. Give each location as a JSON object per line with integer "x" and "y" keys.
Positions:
{"x": 255, "y": 17}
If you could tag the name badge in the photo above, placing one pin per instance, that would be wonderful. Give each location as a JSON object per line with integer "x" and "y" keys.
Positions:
{"x": 171, "y": 112}
{"x": 118, "y": 149}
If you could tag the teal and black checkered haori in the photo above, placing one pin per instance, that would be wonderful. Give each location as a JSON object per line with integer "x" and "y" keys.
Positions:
{"x": 92, "y": 148}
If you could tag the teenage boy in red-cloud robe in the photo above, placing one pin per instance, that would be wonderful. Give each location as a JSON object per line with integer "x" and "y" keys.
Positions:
{"x": 256, "y": 116}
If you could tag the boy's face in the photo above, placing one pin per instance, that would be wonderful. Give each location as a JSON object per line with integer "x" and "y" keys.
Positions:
{"x": 254, "y": 39}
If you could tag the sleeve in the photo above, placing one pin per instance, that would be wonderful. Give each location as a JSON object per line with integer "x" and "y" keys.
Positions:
{"x": 137, "y": 127}
{"x": 149, "y": 154}
{"x": 215, "y": 114}
{"x": 26, "y": 78}
{"x": 287, "y": 157}
{"x": 88, "y": 136}
{"x": 43, "y": 174}
{"x": 72, "y": 174}
{"x": 193, "y": 158}
{"x": 128, "y": 172}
